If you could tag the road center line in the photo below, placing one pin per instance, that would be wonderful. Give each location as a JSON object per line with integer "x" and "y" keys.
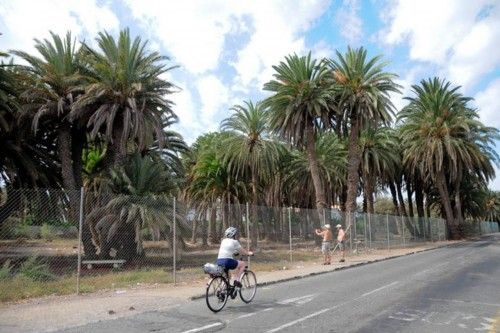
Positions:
{"x": 198, "y": 329}
{"x": 378, "y": 289}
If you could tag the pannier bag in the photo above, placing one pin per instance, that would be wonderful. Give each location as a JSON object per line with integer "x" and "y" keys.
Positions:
{"x": 213, "y": 269}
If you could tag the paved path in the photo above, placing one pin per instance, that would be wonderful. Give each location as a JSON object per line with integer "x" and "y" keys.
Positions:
{"x": 355, "y": 299}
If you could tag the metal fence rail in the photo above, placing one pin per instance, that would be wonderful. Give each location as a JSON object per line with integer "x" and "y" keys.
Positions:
{"x": 54, "y": 235}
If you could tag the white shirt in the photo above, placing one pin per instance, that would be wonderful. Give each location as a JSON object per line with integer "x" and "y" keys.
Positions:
{"x": 228, "y": 247}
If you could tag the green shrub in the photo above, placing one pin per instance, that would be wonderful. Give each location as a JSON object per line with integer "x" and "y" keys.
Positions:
{"x": 8, "y": 229}
{"x": 5, "y": 271}
{"x": 47, "y": 232}
{"x": 36, "y": 270}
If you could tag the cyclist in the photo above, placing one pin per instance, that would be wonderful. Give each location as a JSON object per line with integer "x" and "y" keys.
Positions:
{"x": 228, "y": 247}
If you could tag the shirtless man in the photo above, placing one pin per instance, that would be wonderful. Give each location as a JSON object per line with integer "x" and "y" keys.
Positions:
{"x": 326, "y": 246}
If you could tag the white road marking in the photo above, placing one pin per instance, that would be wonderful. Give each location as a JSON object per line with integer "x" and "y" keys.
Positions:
{"x": 300, "y": 320}
{"x": 315, "y": 314}
{"x": 246, "y": 315}
{"x": 433, "y": 268}
{"x": 296, "y": 299}
{"x": 198, "y": 329}
{"x": 460, "y": 301}
{"x": 251, "y": 314}
{"x": 378, "y": 289}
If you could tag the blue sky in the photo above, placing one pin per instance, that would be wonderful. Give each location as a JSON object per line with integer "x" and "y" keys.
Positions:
{"x": 225, "y": 49}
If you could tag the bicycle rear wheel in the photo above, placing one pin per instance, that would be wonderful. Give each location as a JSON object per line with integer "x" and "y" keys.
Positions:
{"x": 248, "y": 286}
{"x": 216, "y": 294}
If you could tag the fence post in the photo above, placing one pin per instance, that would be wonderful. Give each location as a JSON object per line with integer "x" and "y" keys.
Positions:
{"x": 370, "y": 229}
{"x": 387, "y": 226}
{"x": 80, "y": 227}
{"x": 403, "y": 228}
{"x": 290, "y": 231}
{"x": 364, "y": 224}
{"x": 350, "y": 232}
{"x": 248, "y": 233}
{"x": 174, "y": 243}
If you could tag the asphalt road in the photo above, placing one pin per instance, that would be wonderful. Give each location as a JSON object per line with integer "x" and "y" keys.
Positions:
{"x": 451, "y": 289}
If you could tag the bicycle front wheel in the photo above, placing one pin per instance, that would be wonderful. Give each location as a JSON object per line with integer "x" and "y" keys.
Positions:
{"x": 248, "y": 286}
{"x": 216, "y": 294}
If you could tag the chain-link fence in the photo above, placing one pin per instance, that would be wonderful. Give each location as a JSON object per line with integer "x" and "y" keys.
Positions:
{"x": 63, "y": 242}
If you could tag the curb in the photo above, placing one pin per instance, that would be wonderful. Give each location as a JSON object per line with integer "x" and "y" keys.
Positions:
{"x": 298, "y": 277}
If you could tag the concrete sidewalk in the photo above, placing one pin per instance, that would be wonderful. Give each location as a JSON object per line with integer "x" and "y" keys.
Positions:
{"x": 59, "y": 312}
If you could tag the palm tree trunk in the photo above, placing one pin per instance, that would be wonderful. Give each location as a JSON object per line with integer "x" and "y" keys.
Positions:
{"x": 212, "y": 228}
{"x": 419, "y": 197}
{"x": 68, "y": 177}
{"x": 445, "y": 200}
{"x": 319, "y": 190}
{"x": 369, "y": 194}
{"x": 353, "y": 161}
{"x": 194, "y": 231}
{"x": 78, "y": 140}
{"x": 343, "y": 198}
{"x": 392, "y": 188}
{"x": 402, "y": 207}
{"x": 458, "y": 209}
{"x": 204, "y": 229}
{"x": 409, "y": 192}
{"x": 254, "y": 233}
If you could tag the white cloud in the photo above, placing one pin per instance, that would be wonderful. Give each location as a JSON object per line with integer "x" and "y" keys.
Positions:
{"x": 23, "y": 20}
{"x": 460, "y": 36}
{"x": 193, "y": 31}
{"x": 495, "y": 183}
{"x": 322, "y": 50}
{"x": 278, "y": 30}
{"x": 350, "y": 23}
{"x": 207, "y": 37}
{"x": 488, "y": 102}
{"x": 214, "y": 99}
{"x": 406, "y": 82}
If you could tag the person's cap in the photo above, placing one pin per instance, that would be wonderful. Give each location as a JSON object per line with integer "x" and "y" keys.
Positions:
{"x": 338, "y": 226}
{"x": 327, "y": 226}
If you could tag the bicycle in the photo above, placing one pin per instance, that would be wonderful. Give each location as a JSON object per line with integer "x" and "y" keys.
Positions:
{"x": 219, "y": 288}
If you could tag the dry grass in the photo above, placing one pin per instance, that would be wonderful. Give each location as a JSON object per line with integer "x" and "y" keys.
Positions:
{"x": 19, "y": 288}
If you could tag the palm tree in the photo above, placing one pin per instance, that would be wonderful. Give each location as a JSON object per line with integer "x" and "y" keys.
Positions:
{"x": 332, "y": 161}
{"x": 209, "y": 183}
{"x": 26, "y": 160}
{"x": 248, "y": 148}
{"x": 363, "y": 89}
{"x": 491, "y": 207}
{"x": 126, "y": 98}
{"x": 52, "y": 85}
{"x": 443, "y": 140}
{"x": 379, "y": 148}
{"x": 300, "y": 108}
{"x": 142, "y": 199}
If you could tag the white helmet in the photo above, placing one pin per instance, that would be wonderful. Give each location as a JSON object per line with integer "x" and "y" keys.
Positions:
{"x": 231, "y": 232}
